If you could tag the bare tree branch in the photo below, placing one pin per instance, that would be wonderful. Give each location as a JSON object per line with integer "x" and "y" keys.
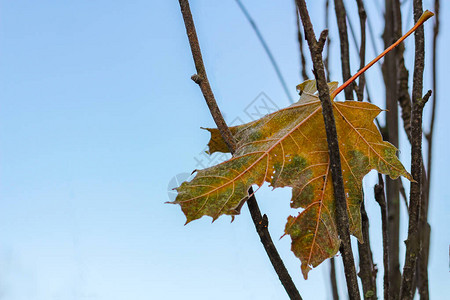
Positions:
{"x": 362, "y": 48}
{"x": 367, "y": 269}
{"x": 391, "y": 131}
{"x": 341, "y": 17}
{"x": 261, "y": 223}
{"x": 426, "y": 228}
{"x": 403, "y": 96}
{"x": 327, "y": 57}
{"x": 434, "y": 98}
{"x": 333, "y": 149}
{"x": 381, "y": 199}
{"x": 334, "y": 288}
{"x": 300, "y": 45}
{"x": 413, "y": 241}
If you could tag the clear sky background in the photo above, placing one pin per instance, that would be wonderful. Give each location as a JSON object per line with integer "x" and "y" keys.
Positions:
{"x": 97, "y": 116}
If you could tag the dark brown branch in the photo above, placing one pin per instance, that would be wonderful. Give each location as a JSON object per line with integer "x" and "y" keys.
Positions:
{"x": 413, "y": 241}
{"x": 266, "y": 48}
{"x": 261, "y": 223}
{"x": 426, "y": 228}
{"x": 362, "y": 48}
{"x": 433, "y": 100}
{"x": 327, "y": 57}
{"x": 353, "y": 34}
{"x": 391, "y": 130}
{"x": 201, "y": 78}
{"x": 367, "y": 269}
{"x": 322, "y": 39}
{"x": 300, "y": 45}
{"x": 372, "y": 36}
{"x": 358, "y": 49}
{"x": 404, "y": 100}
{"x": 422, "y": 260}
{"x": 334, "y": 289}
{"x": 403, "y": 193}
{"x": 381, "y": 199}
{"x": 341, "y": 17}
{"x": 403, "y": 96}
{"x": 333, "y": 149}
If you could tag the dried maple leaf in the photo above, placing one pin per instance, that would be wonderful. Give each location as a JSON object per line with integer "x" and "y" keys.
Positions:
{"x": 289, "y": 148}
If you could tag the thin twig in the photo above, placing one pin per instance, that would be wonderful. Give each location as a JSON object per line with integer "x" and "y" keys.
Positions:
{"x": 362, "y": 48}
{"x": 424, "y": 225}
{"x": 334, "y": 289}
{"x": 201, "y": 78}
{"x": 392, "y": 135}
{"x": 266, "y": 48}
{"x": 429, "y": 136}
{"x": 261, "y": 223}
{"x": 403, "y": 96}
{"x": 341, "y": 18}
{"x": 403, "y": 192}
{"x": 326, "y": 61}
{"x": 367, "y": 269}
{"x": 413, "y": 242}
{"x": 358, "y": 48}
{"x": 353, "y": 34}
{"x": 426, "y": 15}
{"x": 333, "y": 149}
{"x": 381, "y": 199}
{"x": 372, "y": 36}
{"x": 300, "y": 46}
{"x": 407, "y": 288}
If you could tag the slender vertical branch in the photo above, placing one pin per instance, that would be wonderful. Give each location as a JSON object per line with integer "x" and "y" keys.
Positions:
{"x": 392, "y": 186}
{"x": 353, "y": 34}
{"x": 300, "y": 46}
{"x": 261, "y": 223}
{"x": 341, "y": 17}
{"x": 327, "y": 57}
{"x": 426, "y": 228}
{"x": 266, "y": 48}
{"x": 367, "y": 269}
{"x": 434, "y": 98}
{"x": 403, "y": 96}
{"x": 362, "y": 48}
{"x": 381, "y": 199}
{"x": 334, "y": 288}
{"x": 201, "y": 77}
{"x": 333, "y": 149}
{"x": 372, "y": 36}
{"x": 413, "y": 243}
{"x": 403, "y": 193}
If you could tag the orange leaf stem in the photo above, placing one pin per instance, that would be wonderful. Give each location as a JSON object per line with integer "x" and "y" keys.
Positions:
{"x": 425, "y": 16}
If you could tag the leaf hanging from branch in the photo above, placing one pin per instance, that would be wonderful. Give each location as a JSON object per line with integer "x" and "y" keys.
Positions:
{"x": 289, "y": 148}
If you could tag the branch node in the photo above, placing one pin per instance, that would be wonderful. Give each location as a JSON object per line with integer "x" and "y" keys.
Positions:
{"x": 425, "y": 99}
{"x": 322, "y": 39}
{"x": 197, "y": 78}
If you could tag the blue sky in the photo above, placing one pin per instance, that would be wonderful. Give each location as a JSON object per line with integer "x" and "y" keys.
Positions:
{"x": 97, "y": 116}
